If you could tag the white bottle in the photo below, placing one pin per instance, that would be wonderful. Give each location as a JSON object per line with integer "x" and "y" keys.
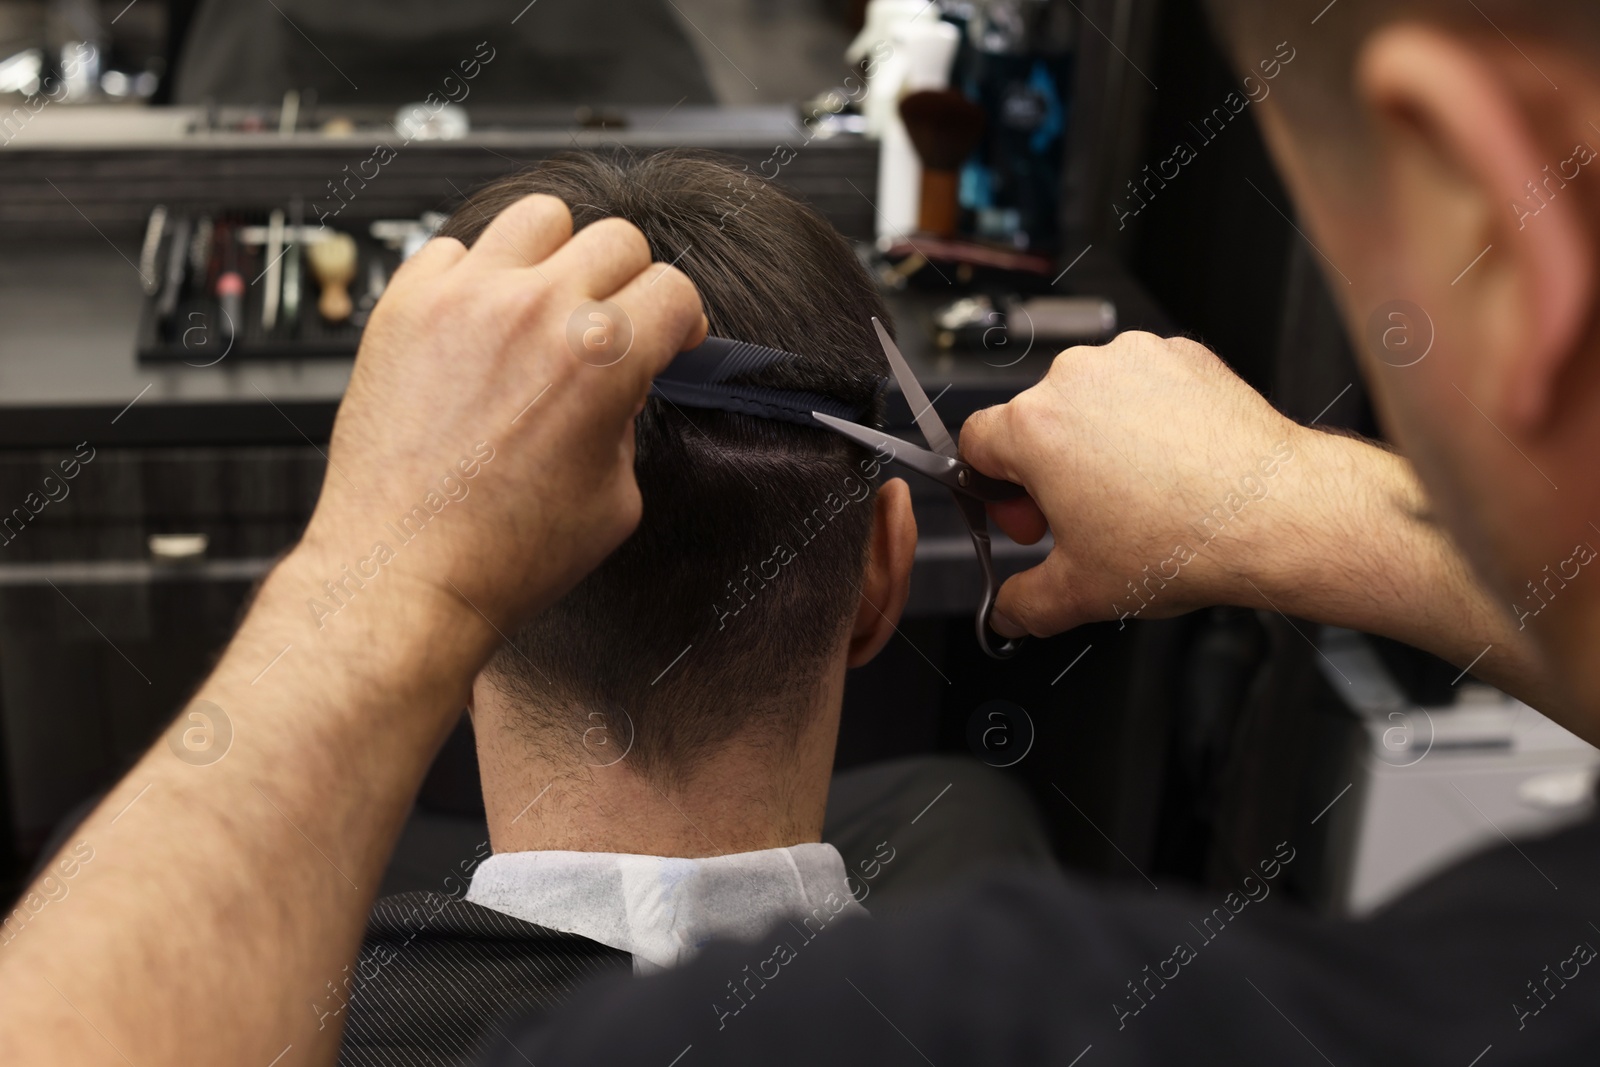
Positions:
{"x": 923, "y": 53}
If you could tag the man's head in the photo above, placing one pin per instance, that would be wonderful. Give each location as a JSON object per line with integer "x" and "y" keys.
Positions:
{"x": 751, "y": 580}
{"x": 1446, "y": 158}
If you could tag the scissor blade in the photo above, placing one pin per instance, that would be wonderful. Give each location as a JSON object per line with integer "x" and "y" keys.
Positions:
{"x": 921, "y": 407}
{"x": 941, "y": 469}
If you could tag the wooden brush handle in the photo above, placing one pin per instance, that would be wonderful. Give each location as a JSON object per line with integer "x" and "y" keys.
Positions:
{"x": 940, "y": 205}
{"x": 335, "y": 302}
{"x": 333, "y": 261}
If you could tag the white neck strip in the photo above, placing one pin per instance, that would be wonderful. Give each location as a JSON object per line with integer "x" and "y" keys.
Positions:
{"x": 662, "y": 909}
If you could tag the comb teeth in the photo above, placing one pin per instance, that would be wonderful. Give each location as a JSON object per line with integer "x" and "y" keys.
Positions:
{"x": 717, "y": 359}
{"x": 697, "y": 378}
{"x": 783, "y": 405}
{"x": 743, "y": 357}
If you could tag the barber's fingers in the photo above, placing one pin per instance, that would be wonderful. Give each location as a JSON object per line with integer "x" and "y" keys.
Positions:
{"x": 659, "y": 310}
{"x": 435, "y": 257}
{"x": 524, "y": 235}
{"x": 603, "y": 257}
{"x": 1020, "y": 519}
{"x": 1038, "y": 601}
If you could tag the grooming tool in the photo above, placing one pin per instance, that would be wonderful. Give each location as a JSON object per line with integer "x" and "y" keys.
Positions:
{"x": 274, "y": 250}
{"x": 698, "y": 378}
{"x": 377, "y": 282}
{"x": 289, "y": 113}
{"x": 333, "y": 261}
{"x": 981, "y": 321}
{"x": 1066, "y": 318}
{"x": 422, "y": 122}
{"x": 150, "y": 251}
{"x": 406, "y": 235}
{"x": 945, "y": 127}
{"x": 293, "y": 286}
{"x": 200, "y": 254}
{"x": 294, "y": 266}
{"x": 172, "y": 286}
{"x": 970, "y": 253}
{"x": 943, "y": 464}
{"x": 254, "y": 236}
{"x": 230, "y": 287}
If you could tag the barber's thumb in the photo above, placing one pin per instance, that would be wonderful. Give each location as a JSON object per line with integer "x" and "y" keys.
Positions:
{"x": 1033, "y": 602}
{"x": 699, "y": 330}
{"x": 985, "y": 443}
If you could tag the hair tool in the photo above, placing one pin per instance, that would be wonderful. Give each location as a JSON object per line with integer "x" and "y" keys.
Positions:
{"x": 230, "y": 283}
{"x": 945, "y": 127}
{"x": 699, "y": 377}
{"x": 172, "y": 284}
{"x": 200, "y": 254}
{"x": 150, "y": 250}
{"x": 333, "y": 262}
{"x": 272, "y": 294}
{"x": 377, "y": 281}
{"x": 292, "y": 270}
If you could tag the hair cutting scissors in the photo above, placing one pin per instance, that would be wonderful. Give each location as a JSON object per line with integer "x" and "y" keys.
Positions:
{"x": 942, "y": 463}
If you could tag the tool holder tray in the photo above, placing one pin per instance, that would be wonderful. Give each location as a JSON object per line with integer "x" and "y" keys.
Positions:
{"x": 196, "y": 333}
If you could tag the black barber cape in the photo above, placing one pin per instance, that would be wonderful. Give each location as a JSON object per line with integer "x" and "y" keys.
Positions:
{"x": 1492, "y": 963}
{"x": 437, "y": 976}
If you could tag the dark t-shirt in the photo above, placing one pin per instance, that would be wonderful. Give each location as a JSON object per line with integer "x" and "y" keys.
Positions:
{"x": 1492, "y": 963}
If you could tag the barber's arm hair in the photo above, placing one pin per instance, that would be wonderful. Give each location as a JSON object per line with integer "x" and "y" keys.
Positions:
{"x": 1367, "y": 552}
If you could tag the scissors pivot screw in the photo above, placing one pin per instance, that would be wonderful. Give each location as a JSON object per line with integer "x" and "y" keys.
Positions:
{"x": 963, "y": 478}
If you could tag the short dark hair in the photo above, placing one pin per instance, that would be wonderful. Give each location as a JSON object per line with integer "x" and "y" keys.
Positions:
{"x": 685, "y": 628}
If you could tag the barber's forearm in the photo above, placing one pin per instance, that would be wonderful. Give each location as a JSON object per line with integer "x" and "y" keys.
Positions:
{"x": 332, "y": 728}
{"x": 1353, "y": 547}
{"x": 214, "y": 903}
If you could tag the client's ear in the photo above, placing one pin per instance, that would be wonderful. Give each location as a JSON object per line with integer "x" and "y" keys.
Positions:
{"x": 887, "y": 580}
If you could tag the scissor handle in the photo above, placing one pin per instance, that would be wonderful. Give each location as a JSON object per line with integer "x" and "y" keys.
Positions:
{"x": 992, "y": 490}
{"x": 978, "y": 527}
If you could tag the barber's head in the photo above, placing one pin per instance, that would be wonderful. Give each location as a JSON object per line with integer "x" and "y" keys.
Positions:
{"x": 767, "y": 559}
{"x": 1445, "y": 158}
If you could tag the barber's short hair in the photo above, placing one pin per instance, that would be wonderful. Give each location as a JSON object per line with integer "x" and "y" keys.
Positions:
{"x": 719, "y": 612}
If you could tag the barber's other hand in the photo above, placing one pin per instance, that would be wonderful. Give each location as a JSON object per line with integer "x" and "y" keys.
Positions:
{"x": 492, "y": 405}
{"x": 1159, "y": 473}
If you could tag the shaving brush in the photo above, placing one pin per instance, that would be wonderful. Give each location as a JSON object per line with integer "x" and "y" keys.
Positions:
{"x": 945, "y": 127}
{"x": 333, "y": 261}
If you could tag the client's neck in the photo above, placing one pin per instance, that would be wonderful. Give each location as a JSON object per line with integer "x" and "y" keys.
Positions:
{"x": 750, "y": 794}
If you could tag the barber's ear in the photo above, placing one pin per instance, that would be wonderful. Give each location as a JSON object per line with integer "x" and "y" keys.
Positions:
{"x": 887, "y": 581}
{"x": 1462, "y": 132}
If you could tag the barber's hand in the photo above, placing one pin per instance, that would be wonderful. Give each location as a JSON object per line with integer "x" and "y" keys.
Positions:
{"x": 492, "y": 404}
{"x": 1157, "y": 470}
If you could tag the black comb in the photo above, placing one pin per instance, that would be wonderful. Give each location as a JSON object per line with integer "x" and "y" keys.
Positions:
{"x": 698, "y": 378}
